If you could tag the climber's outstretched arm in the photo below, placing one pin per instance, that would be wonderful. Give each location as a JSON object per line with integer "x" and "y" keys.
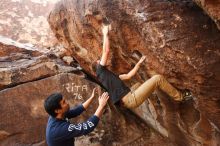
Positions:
{"x": 106, "y": 46}
{"x": 133, "y": 71}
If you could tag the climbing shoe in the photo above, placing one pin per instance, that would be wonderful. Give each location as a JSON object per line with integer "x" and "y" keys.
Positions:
{"x": 187, "y": 95}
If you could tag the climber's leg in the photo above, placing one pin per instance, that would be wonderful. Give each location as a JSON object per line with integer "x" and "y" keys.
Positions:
{"x": 139, "y": 95}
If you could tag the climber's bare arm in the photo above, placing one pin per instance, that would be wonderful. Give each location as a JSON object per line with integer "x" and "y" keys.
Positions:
{"x": 133, "y": 71}
{"x": 106, "y": 46}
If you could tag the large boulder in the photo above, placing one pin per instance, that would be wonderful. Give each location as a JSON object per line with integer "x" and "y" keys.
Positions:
{"x": 181, "y": 43}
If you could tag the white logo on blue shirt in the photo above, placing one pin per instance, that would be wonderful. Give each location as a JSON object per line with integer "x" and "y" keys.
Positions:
{"x": 90, "y": 124}
{"x": 71, "y": 127}
{"x": 84, "y": 126}
{"x": 79, "y": 126}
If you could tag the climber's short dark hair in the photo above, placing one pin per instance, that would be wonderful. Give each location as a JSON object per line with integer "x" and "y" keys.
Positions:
{"x": 52, "y": 103}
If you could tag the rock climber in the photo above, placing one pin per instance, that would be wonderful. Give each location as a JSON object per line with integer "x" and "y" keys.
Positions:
{"x": 119, "y": 93}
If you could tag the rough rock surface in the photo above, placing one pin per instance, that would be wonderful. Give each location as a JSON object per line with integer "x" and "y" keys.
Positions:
{"x": 26, "y": 21}
{"x": 20, "y": 64}
{"x": 212, "y": 8}
{"x": 181, "y": 43}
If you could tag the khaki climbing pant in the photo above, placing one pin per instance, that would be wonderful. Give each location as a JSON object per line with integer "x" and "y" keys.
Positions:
{"x": 136, "y": 97}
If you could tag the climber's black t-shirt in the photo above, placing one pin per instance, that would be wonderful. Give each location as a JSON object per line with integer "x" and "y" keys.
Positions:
{"x": 112, "y": 83}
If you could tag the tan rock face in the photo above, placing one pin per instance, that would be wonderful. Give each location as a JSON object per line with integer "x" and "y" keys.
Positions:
{"x": 26, "y": 21}
{"x": 19, "y": 65}
{"x": 211, "y": 8}
{"x": 180, "y": 42}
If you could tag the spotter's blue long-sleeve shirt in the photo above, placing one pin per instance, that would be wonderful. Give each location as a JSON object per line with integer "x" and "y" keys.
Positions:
{"x": 62, "y": 132}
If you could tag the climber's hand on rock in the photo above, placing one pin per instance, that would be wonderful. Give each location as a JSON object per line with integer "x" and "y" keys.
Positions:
{"x": 103, "y": 99}
{"x": 94, "y": 91}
